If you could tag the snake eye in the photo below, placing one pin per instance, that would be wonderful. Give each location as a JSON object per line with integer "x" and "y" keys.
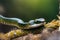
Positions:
{"x": 40, "y": 20}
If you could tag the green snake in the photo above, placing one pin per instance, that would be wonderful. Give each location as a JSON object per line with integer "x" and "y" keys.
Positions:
{"x": 17, "y": 22}
{"x": 23, "y": 27}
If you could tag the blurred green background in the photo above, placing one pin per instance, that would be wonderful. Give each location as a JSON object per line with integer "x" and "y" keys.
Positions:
{"x": 31, "y": 9}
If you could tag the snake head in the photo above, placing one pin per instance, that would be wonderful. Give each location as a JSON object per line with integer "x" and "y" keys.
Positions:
{"x": 37, "y": 21}
{"x": 40, "y": 20}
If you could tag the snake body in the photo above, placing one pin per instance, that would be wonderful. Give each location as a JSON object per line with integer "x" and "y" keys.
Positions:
{"x": 12, "y": 21}
{"x": 15, "y": 22}
{"x": 27, "y": 27}
{"x": 23, "y": 27}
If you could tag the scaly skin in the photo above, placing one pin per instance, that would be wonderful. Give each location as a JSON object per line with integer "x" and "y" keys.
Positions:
{"x": 14, "y": 22}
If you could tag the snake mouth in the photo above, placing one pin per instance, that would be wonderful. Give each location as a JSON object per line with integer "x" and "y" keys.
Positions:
{"x": 6, "y": 28}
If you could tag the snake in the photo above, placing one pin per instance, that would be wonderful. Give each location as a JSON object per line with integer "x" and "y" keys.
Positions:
{"x": 23, "y": 27}
{"x": 17, "y": 22}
